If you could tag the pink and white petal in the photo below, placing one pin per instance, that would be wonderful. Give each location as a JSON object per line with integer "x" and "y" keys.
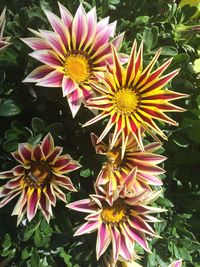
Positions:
{"x": 9, "y": 197}
{"x": 59, "y": 28}
{"x": 74, "y": 101}
{"x": 116, "y": 241}
{"x": 53, "y": 79}
{"x": 124, "y": 250}
{"x": 25, "y": 150}
{"x": 45, "y": 207}
{"x": 177, "y": 263}
{"x": 83, "y": 205}
{"x": 103, "y": 239}
{"x": 55, "y": 153}
{"x": 130, "y": 178}
{"x": 92, "y": 26}
{"x": 95, "y": 216}
{"x": 103, "y": 23}
{"x": 36, "y": 43}
{"x": 14, "y": 183}
{"x": 72, "y": 166}
{"x": 6, "y": 175}
{"x": 48, "y": 57}
{"x": 22, "y": 201}
{"x": 140, "y": 225}
{"x": 65, "y": 182}
{"x": 55, "y": 42}
{"x": 37, "y": 153}
{"x": 18, "y": 170}
{"x": 68, "y": 86}
{"x": 37, "y": 74}
{"x": 65, "y": 15}
{"x": 60, "y": 162}
{"x": 137, "y": 236}
{"x": 149, "y": 179}
{"x": 47, "y": 145}
{"x": 50, "y": 194}
{"x": 103, "y": 36}
{"x": 87, "y": 228}
{"x": 59, "y": 193}
{"x": 79, "y": 28}
{"x": 33, "y": 202}
{"x": 21, "y": 215}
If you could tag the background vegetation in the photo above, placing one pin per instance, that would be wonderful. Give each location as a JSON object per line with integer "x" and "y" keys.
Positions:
{"x": 28, "y": 112}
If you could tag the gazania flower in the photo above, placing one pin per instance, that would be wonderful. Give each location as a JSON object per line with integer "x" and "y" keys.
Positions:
{"x": 3, "y": 40}
{"x": 37, "y": 179}
{"x": 78, "y": 48}
{"x": 132, "y": 98}
{"x": 133, "y": 168}
{"x": 123, "y": 223}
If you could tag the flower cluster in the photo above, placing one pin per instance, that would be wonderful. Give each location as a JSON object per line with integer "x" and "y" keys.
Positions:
{"x": 81, "y": 56}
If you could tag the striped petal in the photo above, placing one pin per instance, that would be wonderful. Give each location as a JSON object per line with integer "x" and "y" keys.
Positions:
{"x": 53, "y": 79}
{"x": 37, "y": 74}
{"x": 87, "y": 228}
{"x": 32, "y": 204}
{"x": 103, "y": 240}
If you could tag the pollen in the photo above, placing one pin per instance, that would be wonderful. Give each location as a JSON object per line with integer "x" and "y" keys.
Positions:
{"x": 77, "y": 67}
{"x": 114, "y": 214}
{"x": 38, "y": 175}
{"x": 125, "y": 101}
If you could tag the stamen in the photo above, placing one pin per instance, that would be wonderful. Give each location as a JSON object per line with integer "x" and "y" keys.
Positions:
{"x": 77, "y": 66}
{"x": 38, "y": 175}
{"x": 114, "y": 214}
{"x": 126, "y": 101}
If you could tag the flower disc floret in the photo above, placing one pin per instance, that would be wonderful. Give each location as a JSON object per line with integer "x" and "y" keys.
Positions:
{"x": 125, "y": 101}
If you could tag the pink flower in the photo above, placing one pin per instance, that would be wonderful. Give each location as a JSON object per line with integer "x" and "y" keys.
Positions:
{"x": 37, "y": 179}
{"x": 123, "y": 223}
{"x": 73, "y": 53}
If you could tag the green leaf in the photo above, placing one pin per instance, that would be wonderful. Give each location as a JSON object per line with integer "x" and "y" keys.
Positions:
{"x": 26, "y": 253}
{"x": 7, "y": 242}
{"x": 86, "y": 173}
{"x": 66, "y": 257}
{"x": 10, "y": 145}
{"x": 37, "y": 125}
{"x": 164, "y": 202}
{"x": 35, "y": 259}
{"x": 141, "y": 20}
{"x": 169, "y": 51}
{"x": 150, "y": 37}
{"x": 38, "y": 238}
{"x": 9, "y": 107}
{"x": 28, "y": 233}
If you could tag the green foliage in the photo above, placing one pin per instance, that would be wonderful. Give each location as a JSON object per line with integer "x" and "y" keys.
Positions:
{"x": 28, "y": 112}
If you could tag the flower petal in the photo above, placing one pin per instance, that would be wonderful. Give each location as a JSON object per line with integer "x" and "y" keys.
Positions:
{"x": 103, "y": 239}
{"x": 87, "y": 228}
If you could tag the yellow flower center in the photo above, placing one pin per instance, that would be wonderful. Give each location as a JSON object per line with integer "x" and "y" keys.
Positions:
{"x": 125, "y": 101}
{"x": 77, "y": 67}
{"x": 38, "y": 175}
{"x": 114, "y": 214}
{"x": 114, "y": 156}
